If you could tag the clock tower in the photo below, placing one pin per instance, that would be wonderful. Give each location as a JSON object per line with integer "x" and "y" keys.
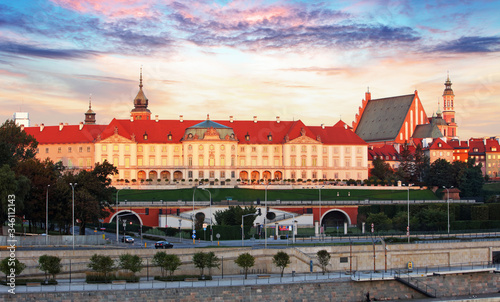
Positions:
{"x": 450, "y": 131}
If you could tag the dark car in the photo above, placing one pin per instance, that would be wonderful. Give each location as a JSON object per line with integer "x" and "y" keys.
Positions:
{"x": 127, "y": 239}
{"x": 163, "y": 245}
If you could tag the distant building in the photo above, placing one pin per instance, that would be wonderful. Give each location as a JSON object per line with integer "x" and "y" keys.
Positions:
{"x": 22, "y": 119}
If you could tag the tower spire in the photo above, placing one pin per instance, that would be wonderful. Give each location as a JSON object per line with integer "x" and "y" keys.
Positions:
{"x": 90, "y": 101}
{"x": 140, "y": 80}
{"x": 90, "y": 114}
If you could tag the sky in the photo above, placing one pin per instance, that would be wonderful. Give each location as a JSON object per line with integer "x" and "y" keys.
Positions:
{"x": 307, "y": 60}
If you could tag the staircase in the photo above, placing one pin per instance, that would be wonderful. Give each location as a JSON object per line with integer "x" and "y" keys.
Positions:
{"x": 417, "y": 285}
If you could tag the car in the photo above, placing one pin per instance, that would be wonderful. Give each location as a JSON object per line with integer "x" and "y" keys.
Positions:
{"x": 127, "y": 239}
{"x": 163, "y": 245}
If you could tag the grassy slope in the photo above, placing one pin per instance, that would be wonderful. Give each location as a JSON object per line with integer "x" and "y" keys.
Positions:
{"x": 251, "y": 195}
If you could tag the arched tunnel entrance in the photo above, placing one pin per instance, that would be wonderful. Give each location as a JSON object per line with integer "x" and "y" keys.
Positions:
{"x": 127, "y": 216}
{"x": 335, "y": 218}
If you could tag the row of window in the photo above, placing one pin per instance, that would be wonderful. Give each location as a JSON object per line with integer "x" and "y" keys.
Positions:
{"x": 70, "y": 149}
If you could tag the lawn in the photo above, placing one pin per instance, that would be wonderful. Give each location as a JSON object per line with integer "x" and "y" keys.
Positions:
{"x": 252, "y": 195}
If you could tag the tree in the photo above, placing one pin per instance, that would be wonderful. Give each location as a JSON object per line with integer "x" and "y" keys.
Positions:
{"x": 380, "y": 220}
{"x": 245, "y": 261}
{"x": 11, "y": 185}
{"x": 422, "y": 164}
{"x": 129, "y": 262}
{"x": 172, "y": 263}
{"x": 406, "y": 170}
{"x": 50, "y": 265}
{"x": 381, "y": 170}
{"x": 472, "y": 180}
{"x": 101, "y": 264}
{"x": 160, "y": 259}
{"x": 440, "y": 174}
{"x": 212, "y": 261}
{"x": 232, "y": 216}
{"x": 200, "y": 261}
{"x": 15, "y": 144}
{"x": 323, "y": 259}
{"x": 281, "y": 260}
{"x": 7, "y": 264}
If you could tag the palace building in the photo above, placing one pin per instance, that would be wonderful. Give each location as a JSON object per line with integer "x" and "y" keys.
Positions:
{"x": 161, "y": 151}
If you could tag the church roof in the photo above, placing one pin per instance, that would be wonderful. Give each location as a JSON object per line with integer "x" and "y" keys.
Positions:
{"x": 382, "y": 119}
{"x": 427, "y": 131}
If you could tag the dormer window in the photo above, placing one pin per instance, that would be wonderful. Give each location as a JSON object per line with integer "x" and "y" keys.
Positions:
{"x": 145, "y": 136}
{"x": 440, "y": 145}
{"x": 270, "y": 137}
{"x": 476, "y": 150}
{"x": 493, "y": 148}
{"x": 247, "y": 137}
{"x": 169, "y": 136}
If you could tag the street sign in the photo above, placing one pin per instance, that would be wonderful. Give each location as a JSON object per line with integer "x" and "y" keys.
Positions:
{"x": 194, "y": 231}
{"x": 218, "y": 235}
{"x": 204, "y": 225}
{"x": 194, "y": 236}
{"x": 373, "y": 227}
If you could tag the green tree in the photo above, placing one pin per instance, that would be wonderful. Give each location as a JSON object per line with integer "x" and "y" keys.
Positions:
{"x": 232, "y": 216}
{"x": 323, "y": 259}
{"x": 50, "y": 265}
{"x": 160, "y": 259}
{"x": 245, "y": 261}
{"x": 129, "y": 262}
{"x": 407, "y": 169}
{"x": 7, "y": 264}
{"x": 440, "y": 174}
{"x": 101, "y": 264}
{"x": 11, "y": 186}
{"x": 381, "y": 170}
{"x": 212, "y": 262}
{"x": 432, "y": 218}
{"x": 172, "y": 263}
{"x": 93, "y": 194}
{"x": 422, "y": 164}
{"x": 472, "y": 180}
{"x": 281, "y": 260}
{"x": 15, "y": 144}
{"x": 380, "y": 221}
{"x": 200, "y": 261}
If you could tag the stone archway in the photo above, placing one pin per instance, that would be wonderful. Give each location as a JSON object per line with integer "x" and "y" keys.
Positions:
{"x": 165, "y": 175}
{"x": 153, "y": 175}
{"x": 334, "y": 218}
{"x": 243, "y": 175}
{"x": 141, "y": 175}
{"x": 278, "y": 175}
{"x": 255, "y": 176}
{"x": 177, "y": 175}
{"x": 266, "y": 175}
{"x": 129, "y": 216}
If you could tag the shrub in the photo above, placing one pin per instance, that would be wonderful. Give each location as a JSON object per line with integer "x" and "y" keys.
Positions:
{"x": 50, "y": 265}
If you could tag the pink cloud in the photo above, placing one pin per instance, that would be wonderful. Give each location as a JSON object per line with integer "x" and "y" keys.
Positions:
{"x": 109, "y": 8}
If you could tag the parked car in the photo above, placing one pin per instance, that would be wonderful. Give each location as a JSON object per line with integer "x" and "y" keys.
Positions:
{"x": 163, "y": 245}
{"x": 127, "y": 239}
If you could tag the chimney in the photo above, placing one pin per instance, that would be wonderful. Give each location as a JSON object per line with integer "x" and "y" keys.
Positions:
{"x": 80, "y": 127}
{"x": 231, "y": 119}
{"x": 156, "y": 118}
{"x": 368, "y": 95}
{"x": 255, "y": 119}
{"x": 41, "y": 127}
{"x": 22, "y": 127}
{"x": 278, "y": 119}
{"x": 65, "y": 124}
{"x": 322, "y": 126}
{"x": 61, "y": 125}
{"x": 345, "y": 126}
{"x": 131, "y": 118}
{"x": 181, "y": 118}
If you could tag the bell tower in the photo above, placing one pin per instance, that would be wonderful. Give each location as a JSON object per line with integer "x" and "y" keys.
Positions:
{"x": 140, "y": 111}
{"x": 90, "y": 114}
{"x": 449, "y": 109}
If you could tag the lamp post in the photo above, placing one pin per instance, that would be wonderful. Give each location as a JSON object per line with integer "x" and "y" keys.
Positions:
{"x": 448, "y": 202}
{"x": 47, "y": 215}
{"x": 192, "y": 215}
{"x": 408, "y": 227}
{"x": 265, "y": 217}
{"x": 320, "y": 209}
{"x": 73, "y": 189}
{"x": 117, "y": 216}
{"x": 210, "y": 194}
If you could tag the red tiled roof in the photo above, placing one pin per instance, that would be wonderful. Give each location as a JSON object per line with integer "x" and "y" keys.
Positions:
{"x": 158, "y": 131}
{"x": 492, "y": 143}
{"x": 476, "y": 143}
{"x": 456, "y": 144}
{"x": 69, "y": 134}
{"x": 383, "y": 152}
{"x": 439, "y": 144}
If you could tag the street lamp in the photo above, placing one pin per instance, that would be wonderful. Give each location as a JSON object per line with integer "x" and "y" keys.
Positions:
{"x": 117, "y": 216}
{"x": 73, "y": 189}
{"x": 210, "y": 194}
{"x": 320, "y": 209}
{"x": 47, "y": 215}
{"x": 265, "y": 217}
{"x": 408, "y": 227}
{"x": 448, "y": 202}
{"x": 192, "y": 215}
